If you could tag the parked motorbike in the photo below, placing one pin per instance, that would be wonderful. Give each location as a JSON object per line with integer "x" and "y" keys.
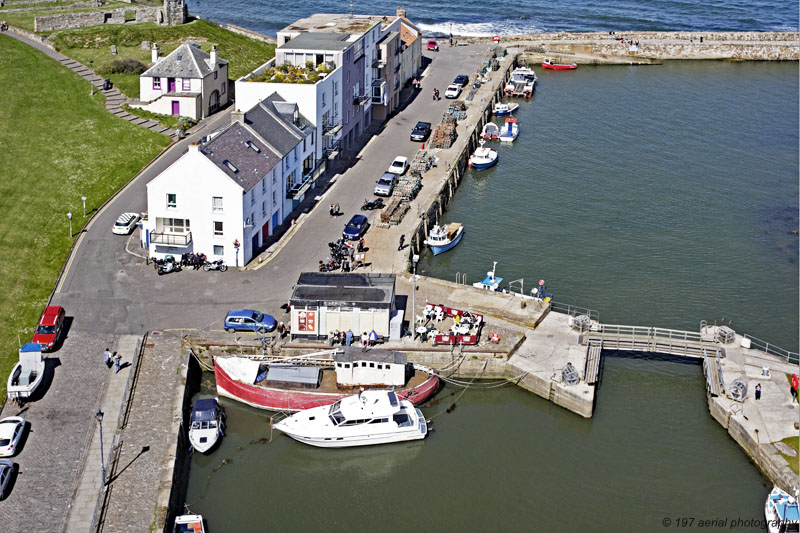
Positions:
{"x": 330, "y": 266}
{"x": 166, "y": 265}
{"x": 215, "y": 265}
{"x": 369, "y": 205}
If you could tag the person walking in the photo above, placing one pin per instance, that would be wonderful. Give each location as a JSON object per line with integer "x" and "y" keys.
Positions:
{"x": 434, "y": 94}
{"x": 117, "y": 361}
{"x": 107, "y": 357}
{"x": 795, "y": 383}
{"x": 402, "y": 243}
{"x": 758, "y": 391}
{"x": 364, "y": 341}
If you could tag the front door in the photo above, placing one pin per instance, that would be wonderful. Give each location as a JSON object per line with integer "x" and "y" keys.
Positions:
{"x": 255, "y": 244}
{"x": 274, "y": 220}
{"x": 176, "y": 107}
{"x": 171, "y": 85}
{"x": 265, "y": 231}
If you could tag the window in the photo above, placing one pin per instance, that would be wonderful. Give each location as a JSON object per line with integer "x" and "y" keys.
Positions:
{"x": 263, "y": 186}
{"x": 335, "y": 87}
{"x": 252, "y": 219}
{"x": 372, "y": 365}
{"x": 186, "y": 84}
{"x": 252, "y": 198}
{"x": 216, "y": 204}
{"x": 274, "y": 198}
{"x": 172, "y": 201}
{"x": 323, "y": 99}
{"x": 363, "y": 364}
{"x": 215, "y": 74}
{"x": 274, "y": 178}
{"x": 156, "y": 84}
{"x": 219, "y": 250}
{"x": 217, "y": 228}
{"x": 223, "y": 88}
{"x": 174, "y": 225}
{"x": 263, "y": 209}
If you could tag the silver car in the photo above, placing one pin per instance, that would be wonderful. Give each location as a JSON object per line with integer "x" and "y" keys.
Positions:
{"x": 385, "y": 184}
{"x": 6, "y": 471}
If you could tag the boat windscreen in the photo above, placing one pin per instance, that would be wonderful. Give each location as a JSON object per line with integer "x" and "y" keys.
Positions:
{"x": 337, "y": 418}
{"x": 393, "y": 399}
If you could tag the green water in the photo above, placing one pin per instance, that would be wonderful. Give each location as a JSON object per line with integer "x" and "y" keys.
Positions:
{"x": 656, "y": 195}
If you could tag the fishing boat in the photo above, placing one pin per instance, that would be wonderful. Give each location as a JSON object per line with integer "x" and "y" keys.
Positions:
{"x": 521, "y": 83}
{"x": 27, "y": 374}
{"x": 490, "y": 131}
{"x": 206, "y": 424}
{"x": 502, "y": 108}
{"x": 483, "y": 158}
{"x": 303, "y": 382}
{"x": 189, "y": 523}
{"x": 442, "y": 238}
{"x": 369, "y": 417}
{"x": 491, "y": 282}
{"x": 781, "y": 512}
{"x": 510, "y": 130}
{"x": 549, "y": 64}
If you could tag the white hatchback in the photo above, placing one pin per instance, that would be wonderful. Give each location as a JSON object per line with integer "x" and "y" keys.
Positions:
{"x": 399, "y": 165}
{"x": 11, "y": 430}
{"x": 125, "y": 223}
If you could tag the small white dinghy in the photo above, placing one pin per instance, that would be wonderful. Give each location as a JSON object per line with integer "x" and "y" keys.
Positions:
{"x": 207, "y": 424}
{"x": 370, "y": 417}
{"x": 781, "y": 512}
{"x": 510, "y": 131}
{"x": 27, "y": 374}
{"x": 189, "y": 523}
{"x": 490, "y": 131}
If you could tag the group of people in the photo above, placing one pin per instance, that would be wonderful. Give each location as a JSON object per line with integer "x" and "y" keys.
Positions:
{"x": 335, "y": 211}
{"x": 436, "y": 94}
{"x": 195, "y": 261}
{"x": 115, "y": 359}
{"x": 345, "y": 338}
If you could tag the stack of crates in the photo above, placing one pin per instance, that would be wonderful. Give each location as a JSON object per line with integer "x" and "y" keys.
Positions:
{"x": 421, "y": 163}
{"x": 394, "y": 212}
{"x": 444, "y": 135}
{"x": 408, "y": 187}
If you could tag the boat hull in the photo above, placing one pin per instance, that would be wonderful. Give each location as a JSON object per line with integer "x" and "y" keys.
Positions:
{"x": 273, "y": 399}
{"x": 549, "y": 66}
{"x": 346, "y": 442}
{"x": 195, "y": 439}
{"x": 22, "y": 392}
{"x": 484, "y": 165}
{"x": 440, "y": 249}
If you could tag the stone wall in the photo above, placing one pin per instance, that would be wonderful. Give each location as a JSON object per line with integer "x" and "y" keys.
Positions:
{"x": 94, "y": 18}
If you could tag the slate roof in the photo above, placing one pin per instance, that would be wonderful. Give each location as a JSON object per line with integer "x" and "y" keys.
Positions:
{"x": 232, "y": 151}
{"x": 186, "y": 61}
{"x": 273, "y": 119}
{"x": 318, "y": 41}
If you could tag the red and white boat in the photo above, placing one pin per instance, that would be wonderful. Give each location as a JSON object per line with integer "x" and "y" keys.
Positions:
{"x": 295, "y": 384}
{"x": 548, "y": 64}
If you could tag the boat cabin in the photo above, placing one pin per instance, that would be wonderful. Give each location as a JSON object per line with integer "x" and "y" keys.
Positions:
{"x": 204, "y": 414}
{"x": 355, "y": 368}
{"x": 294, "y": 377}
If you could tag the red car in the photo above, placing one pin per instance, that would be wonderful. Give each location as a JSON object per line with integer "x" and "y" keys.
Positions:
{"x": 49, "y": 329}
{"x": 433, "y": 45}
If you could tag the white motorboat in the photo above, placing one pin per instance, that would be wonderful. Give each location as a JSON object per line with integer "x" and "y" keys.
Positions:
{"x": 207, "y": 424}
{"x": 490, "y": 282}
{"x": 501, "y": 109}
{"x": 27, "y": 374}
{"x": 490, "y": 131}
{"x": 781, "y": 512}
{"x": 483, "y": 158}
{"x": 521, "y": 83}
{"x": 189, "y": 523}
{"x": 442, "y": 238}
{"x": 370, "y": 417}
{"x": 510, "y": 131}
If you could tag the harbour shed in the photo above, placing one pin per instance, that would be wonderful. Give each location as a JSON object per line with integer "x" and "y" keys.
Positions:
{"x": 375, "y": 367}
{"x": 323, "y": 303}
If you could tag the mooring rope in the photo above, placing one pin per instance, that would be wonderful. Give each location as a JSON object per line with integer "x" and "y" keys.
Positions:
{"x": 453, "y": 406}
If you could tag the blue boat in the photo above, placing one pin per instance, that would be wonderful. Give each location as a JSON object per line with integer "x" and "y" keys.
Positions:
{"x": 483, "y": 157}
{"x": 491, "y": 282}
{"x": 781, "y": 512}
{"x": 442, "y": 238}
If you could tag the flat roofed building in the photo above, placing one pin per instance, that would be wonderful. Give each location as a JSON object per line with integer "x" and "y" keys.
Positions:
{"x": 375, "y": 367}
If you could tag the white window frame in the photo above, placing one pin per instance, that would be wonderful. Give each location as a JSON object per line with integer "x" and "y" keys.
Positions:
{"x": 217, "y": 205}
{"x": 173, "y": 203}
{"x": 218, "y": 232}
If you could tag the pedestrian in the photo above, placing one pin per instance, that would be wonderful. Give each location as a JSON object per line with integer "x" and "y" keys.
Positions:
{"x": 117, "y": 361}
{"x": 373, "y": 338}
{"x": 348, "y": 337}
{"x": 758, "y": 391}
{"x": 330, "y": 210}
{"x": 364, "y": 341}
{"x": 337, "y": 210}
{"x": 434, "y": 94}
{"x": 701, "y": 38}
{"x": 795, "y": 383}
{"x": 437, "y": 94}
{"x": 107, "y": 357}
{"x": 402, "y": 242}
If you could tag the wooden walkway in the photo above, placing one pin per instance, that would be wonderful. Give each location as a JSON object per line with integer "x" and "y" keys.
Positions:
{"x": 653, "y": 340}
{"x": 594, "y": 350}
{"x": 713, "y": 371}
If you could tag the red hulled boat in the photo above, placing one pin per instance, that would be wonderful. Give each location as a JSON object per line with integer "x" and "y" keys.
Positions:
{"x": 550, "y": 65}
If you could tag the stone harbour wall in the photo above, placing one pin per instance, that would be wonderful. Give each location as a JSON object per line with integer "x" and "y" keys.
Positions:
{"x": 67, "y": 21}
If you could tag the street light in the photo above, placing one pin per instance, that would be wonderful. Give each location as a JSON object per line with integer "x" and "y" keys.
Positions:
{"x": 69, "y": 216}
{"x": 83, "y": 199}
{"x": 99, "y": 417}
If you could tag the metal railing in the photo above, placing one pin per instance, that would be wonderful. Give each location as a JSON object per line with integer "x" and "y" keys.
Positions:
{"x": 574, "y": 310}
{"x": 171, "y": 239}
{"x": 758, "y": 344}
{"x": 654, "y": 333}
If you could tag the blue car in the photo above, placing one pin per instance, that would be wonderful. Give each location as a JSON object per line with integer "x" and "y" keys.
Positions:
{"x": 249, "y": 320}
{"x": 355, "y": 228}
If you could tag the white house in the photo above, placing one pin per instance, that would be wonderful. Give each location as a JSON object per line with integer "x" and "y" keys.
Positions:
{"x": 187, "y": 82}
{"x": 225, "y": 197}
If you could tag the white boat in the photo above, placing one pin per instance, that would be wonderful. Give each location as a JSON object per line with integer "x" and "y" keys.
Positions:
{"x": 207, "y": 425}
{"x": 490, "y": 131}
{"x": 27, "y": 374}
{"x": 483, "y": 158}
{"x": 781, "y": 512}
{"x": 510, "y": 130}
{"x": 490, "y": 282}
{"x": 502, "y": 109}
{"x": 442, "y": 238}
{"x": 521, "y": 83}
{"x": 189, "y": 523}
{"x": 370, "y": 417}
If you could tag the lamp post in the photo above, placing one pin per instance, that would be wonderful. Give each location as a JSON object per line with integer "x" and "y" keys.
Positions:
{"x": 83, "y": 199}
{"x": 413, "y": 318}
{"x": 99, "y": 417}
{"x": 69, "y": 216}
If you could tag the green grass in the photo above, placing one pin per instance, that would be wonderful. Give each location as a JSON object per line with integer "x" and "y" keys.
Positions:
{"x": 24, "y": 19}
{"x": 794, "y": 443}
{"x": 58, "y": 143}
{"x": 168, "y": 121}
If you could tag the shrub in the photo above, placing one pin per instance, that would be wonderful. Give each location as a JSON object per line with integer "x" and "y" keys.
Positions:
{"x": 122, "y": 66}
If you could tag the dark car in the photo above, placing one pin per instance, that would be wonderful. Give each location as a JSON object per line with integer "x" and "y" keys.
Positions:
{"x": 461, "y": 79}
{"x": 421, "y": 131}
{"x": 355, "y": 228}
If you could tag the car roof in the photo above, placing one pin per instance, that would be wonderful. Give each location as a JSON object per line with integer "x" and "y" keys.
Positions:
{"x": 422, "y": 124}
{"x": 388, "y": 176}
{"x": 358, "y": 218}
{"x": 241, "y": 312}
{"x": 400, "y": 158}
{"x": 7, "y": 426}
{"x": 50, "y": 314}
{"x": 126, "y": 217}
{"x": 453, "y": 86}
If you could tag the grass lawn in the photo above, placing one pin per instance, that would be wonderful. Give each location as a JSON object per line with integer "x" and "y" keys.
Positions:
{"x": 794, "y": 443}
{"x": 58, "y": 143}
{"x": 93, "y": 44}
{"x": 24, "y": 19}
{"x": 168, "y": 121}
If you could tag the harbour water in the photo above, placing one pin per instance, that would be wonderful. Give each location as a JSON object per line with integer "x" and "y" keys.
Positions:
{"x": 657, "y": 195}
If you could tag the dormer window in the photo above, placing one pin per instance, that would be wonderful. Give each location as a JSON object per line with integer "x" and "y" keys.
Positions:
{"x": 180, "y": 57}
{"x": 230, "y": 166}
{"x": 253, "y": 147}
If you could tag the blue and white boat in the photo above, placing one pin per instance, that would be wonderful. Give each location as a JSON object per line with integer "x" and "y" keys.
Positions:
{"x": 781, "y": 512}
{"x": 483, "y": 158}
{"x": 490, "y": 282}
{"x": 502, "y": 108}
{"x": 207, "y": 424}
{"x": 442, "y": 238}
{"x": 510, "y": 131}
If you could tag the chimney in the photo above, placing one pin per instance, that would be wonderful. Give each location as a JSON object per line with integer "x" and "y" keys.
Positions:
{"x": 194, "y": 147}
{"x": 154, "y": 53}
{"x": 213, "y": 58}
{"x": 237, "y": 116}
{"x": 401, "y": 11}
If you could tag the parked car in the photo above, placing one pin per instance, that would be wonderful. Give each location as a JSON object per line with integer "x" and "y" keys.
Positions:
{"x": 355, "y": 228}
{"x": 433, "y": 45}
{"x": 50, "y": 327}
{"x": 6, "y": 471}
{"x": 249, "y": 320}
{"x": 399, "y": 165}
{"x": 461, "y": 79}
{"x": 125, "y": 223}
{"x": 421, "y": 131}
{"x": 385, "y": 185}
{"x": 11, "y": 430}
{"x": 453, "y": 91}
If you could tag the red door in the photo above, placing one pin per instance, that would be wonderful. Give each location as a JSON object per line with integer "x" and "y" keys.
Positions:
{"x": 265, "y": 231}
{"x": 176, "y": 107}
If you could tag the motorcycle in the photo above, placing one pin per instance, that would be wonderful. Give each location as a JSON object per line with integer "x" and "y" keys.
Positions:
{"x": 165, "y": 266}
{"x": 215, "y": 265}
{"x": 329, "y": 266}
{"x": 373, "y": 204}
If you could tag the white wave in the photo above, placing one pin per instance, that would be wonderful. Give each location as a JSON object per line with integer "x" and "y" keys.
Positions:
{"x": 480, "y": 29}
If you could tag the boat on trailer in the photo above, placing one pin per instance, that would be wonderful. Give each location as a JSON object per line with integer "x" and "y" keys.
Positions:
{"x": 483, "y": 158}
{"x": 207, "y": 424}
{"x": 510, "y": 130}
{"x": 549, "y": 64}
{"x": 502, "y": 109}
{"x": 313, "y": 380}
{"x": 490, "y": 131}
{"x": 27, "y": 374}
{"x": 363, "y": 419}
{"x": 443, "y": 238}
{"x": 521, "y": 83}
{"x": 781, "y": 511}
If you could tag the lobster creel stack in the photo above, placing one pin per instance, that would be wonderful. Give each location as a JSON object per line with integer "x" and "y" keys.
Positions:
{"x": 444, "y": 135}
